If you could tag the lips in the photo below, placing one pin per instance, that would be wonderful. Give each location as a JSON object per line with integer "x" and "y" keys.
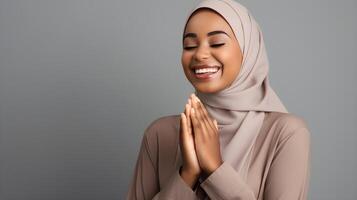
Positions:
{"x": 206, "y": 72}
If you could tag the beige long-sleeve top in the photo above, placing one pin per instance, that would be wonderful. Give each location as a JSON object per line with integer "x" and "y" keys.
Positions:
{"x": 279, "y": 169}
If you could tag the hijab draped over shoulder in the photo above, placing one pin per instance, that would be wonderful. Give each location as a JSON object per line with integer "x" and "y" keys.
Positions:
{"x": 240, "y": 108}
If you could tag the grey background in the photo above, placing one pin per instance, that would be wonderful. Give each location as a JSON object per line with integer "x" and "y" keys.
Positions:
{"x": 81, "y": 80}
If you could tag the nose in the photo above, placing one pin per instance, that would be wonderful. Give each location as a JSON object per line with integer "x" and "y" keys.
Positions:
{"x": 202, "y": 53}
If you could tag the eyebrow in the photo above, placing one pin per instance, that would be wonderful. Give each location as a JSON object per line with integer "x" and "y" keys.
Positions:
{"x": 194, "y": 35}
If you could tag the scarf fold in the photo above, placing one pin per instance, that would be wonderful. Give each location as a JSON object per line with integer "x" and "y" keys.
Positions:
{"x": 240, "y": 108}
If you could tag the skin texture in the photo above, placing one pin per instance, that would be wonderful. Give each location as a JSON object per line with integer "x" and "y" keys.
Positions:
{"x": 219, "y": 49}
{"x": 199, "y": 136}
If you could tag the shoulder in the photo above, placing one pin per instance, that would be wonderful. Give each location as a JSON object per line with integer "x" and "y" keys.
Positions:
{"x": 162, "y": 127}
{"x": 287, "y": 120}
{"x": 287, "y": 124}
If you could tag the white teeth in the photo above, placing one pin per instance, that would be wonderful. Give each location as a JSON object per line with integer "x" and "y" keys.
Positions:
{"x": 205, "y": 70}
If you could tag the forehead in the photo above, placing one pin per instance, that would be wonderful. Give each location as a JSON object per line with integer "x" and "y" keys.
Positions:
{"x": 205, "y": 20}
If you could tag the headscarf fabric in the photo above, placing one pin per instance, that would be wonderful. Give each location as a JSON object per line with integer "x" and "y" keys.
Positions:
{"x": 240, "y": 108}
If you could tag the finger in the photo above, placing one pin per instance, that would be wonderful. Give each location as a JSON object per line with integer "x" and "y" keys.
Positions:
{"x": 207, "y": 125}
{"x": 204, "y": 108}
{"x": 215, "y": 123}
{"x": 189, "y": 114}
{"x": 183, "y": 122}
{"x": 195, "y": 101}
{"x": 203, "y": 114}
{"x": 182, "y": 129}
{"x": 196, "y": 125}
{"x": 195, "y": 105}
{"x": 199, "y": 126}
{"x": 188, "y": 121}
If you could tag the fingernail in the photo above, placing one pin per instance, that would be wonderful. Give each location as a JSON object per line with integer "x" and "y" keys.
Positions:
{"x": 193, "y": 95}
{"x": 193, "y": 99}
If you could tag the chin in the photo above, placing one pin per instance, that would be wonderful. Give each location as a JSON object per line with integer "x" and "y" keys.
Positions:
{"x": 207, "y": 89}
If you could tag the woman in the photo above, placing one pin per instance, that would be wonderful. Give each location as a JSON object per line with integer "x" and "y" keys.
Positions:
{"x": 235, "y": 139}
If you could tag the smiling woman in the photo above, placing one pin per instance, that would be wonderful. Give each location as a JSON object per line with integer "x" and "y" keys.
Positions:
{"x": 235, "y": 139}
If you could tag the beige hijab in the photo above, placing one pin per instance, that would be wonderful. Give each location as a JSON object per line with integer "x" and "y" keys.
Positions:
{"x": 240, "y": 108}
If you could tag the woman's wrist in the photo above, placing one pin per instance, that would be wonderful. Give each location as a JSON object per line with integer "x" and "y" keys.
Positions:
{"x": 189, "y": 177}
{"x": 212, "y": 169}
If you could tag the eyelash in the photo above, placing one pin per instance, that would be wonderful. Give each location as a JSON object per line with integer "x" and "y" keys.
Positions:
{"x": 213, "y": 45}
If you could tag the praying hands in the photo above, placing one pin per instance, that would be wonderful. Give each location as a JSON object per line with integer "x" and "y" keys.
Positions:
{"x": 199, "y": 142}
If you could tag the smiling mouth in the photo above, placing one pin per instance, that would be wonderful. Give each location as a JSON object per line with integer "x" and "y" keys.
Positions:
{"x": 207, "y": 73}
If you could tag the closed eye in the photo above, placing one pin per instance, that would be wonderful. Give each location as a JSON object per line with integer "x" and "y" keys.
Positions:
{"x": 217, "y": 45}
{"x": 189, "y": 48}
{"x": 213, "y": 45}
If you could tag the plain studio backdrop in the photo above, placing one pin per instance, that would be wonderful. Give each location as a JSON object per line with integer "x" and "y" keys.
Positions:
{"x": 81, "y": 80}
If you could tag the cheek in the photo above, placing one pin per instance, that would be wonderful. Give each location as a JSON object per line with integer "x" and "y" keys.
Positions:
{"x": 186, "y": 59}
{"x": 231, "y": 62}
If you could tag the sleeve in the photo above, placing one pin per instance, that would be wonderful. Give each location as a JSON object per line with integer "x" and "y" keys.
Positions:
{"x": 145, "y": 181}
{"x": 226, "y": 184}
{"x": 288, "y": 177}
{"x": 289, "y": 174}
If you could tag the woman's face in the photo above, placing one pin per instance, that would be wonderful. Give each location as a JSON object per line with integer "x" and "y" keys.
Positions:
{"x": 211, "y": 56}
